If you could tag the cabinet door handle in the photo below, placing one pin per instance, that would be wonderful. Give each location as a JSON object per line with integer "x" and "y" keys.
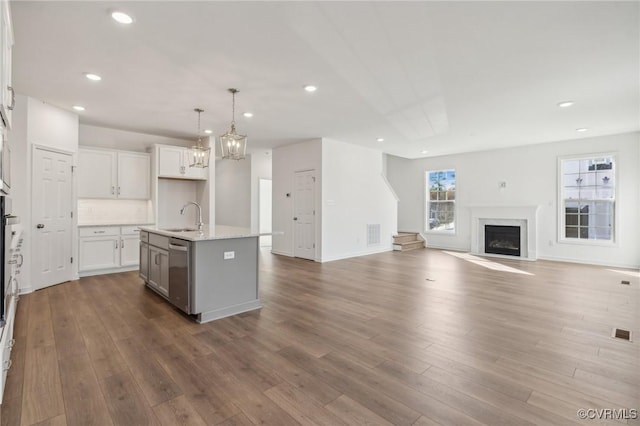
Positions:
{"x": 155, "y": 260}
{"x": 122, "y": 243}
{"x": 116, "y": 243}
{"x": 21, "y": 259}
{"x": 13, "y": 98}
{"x": 98, "y": 232}
{"x": 118, "y": 190}
{"x": 12, "y": 343}
{"x": 8, "y": 365}
{"x": 113, "y": 190}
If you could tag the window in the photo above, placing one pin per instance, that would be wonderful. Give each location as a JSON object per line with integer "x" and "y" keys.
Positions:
{"x": 441, "y": 201}
{"x": 587, "y": 200}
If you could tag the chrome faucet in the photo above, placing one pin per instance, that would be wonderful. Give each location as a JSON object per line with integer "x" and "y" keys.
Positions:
{"x": 199, "y": 218}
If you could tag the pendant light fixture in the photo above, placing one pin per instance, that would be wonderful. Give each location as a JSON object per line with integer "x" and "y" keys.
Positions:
{"x": 232, "y": 145}
{"x": 199, "y": 155}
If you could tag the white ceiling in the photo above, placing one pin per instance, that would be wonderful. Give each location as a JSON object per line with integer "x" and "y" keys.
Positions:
{"x": 446, "y": 77}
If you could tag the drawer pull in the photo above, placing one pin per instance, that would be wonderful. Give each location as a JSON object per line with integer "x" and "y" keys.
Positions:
{"x": 99, "y": 232}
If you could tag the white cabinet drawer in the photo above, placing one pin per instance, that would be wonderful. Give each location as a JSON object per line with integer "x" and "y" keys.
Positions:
{"x": 130, "y": 230}
{"x": 99, "y": 231}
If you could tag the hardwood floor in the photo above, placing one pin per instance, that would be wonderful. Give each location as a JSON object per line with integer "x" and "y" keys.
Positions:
{"x": 413, "y": 338}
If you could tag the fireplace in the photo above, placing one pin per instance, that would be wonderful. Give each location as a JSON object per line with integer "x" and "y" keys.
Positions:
{"x": 499, "y": 239}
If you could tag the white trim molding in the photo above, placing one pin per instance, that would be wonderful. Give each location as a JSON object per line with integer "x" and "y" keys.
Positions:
{"x": 524, "y": 216}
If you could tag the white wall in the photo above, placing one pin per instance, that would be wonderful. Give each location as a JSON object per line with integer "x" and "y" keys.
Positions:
{"x": 37, "y": 123}
{"x": 104, "y": 137}
{"x": 530, "y": 174}
{"x": 260, "y": 169}
{"x": 233, "y": 192}
{"x": 286, "y": 161}
{"x": 354, "y": 194}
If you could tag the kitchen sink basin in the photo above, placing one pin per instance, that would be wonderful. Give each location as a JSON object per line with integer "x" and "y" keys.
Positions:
{"x": 180, "y": 229}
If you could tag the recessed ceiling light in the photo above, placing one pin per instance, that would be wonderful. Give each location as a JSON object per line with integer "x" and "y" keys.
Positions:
{"x": 565, "y": 104}
{"x": 310, "y": 88}
{"x": 122, "y": 17}
{"x": 424, "y": 151}
{"x": 93, "y": 77}
{"x": 207, "y": 131}
{"x": 582, "y": 129}
{"x": 78, "y": 108}
{"x": 248, "y": 114}
{"x": 380, "y": 140}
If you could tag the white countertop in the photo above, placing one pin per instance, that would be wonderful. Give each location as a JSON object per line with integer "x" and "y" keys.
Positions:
{"x": 217, "y": 232}
{"x": 85, "y": 225}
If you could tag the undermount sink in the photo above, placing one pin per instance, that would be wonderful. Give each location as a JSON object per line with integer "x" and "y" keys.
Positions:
{"x": 180, "y": 229}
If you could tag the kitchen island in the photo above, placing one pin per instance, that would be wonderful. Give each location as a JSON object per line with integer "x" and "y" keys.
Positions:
{"x": 209, "y": 274}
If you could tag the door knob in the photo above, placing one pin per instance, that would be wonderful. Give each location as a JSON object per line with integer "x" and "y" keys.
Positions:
{"x": 40, "y": 225}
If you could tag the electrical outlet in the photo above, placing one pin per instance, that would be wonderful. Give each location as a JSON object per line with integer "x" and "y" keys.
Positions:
{"x": 229, "y": 255}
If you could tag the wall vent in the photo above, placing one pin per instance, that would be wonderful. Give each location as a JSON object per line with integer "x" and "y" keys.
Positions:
{"x": 373, "y": 234}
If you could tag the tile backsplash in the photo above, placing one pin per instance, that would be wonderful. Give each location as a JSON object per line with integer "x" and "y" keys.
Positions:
{"x": 114, "y": 212}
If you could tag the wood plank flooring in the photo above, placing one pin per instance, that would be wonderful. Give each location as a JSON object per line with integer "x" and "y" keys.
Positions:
{"x": 404, "y": 338}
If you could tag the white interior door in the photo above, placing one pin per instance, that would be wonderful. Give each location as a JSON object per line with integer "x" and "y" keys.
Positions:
{"x": 51, "y": 207}
{"x": 264, "y": 214}
{"x": 304, "y": 211}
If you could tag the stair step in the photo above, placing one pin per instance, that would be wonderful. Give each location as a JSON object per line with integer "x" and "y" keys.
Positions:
{"x": 405, "y": 237}
{"x": 408, "y": 245}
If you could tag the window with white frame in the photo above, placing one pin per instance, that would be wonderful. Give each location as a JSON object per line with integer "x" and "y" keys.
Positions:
{"x": 441, "y": 201}
{"x": 587, "y": 198}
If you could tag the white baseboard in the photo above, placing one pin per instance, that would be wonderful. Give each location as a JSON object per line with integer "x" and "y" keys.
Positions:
{"x": 281, "y": 253}
{"x": 358, "y": 254}
{"x": 587, "y": 262}
{"x": 25, "y": 290}
{"x": 108, "y": 271}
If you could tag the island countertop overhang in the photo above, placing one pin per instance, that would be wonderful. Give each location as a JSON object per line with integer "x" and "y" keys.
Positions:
{"x": 217, "y": 232}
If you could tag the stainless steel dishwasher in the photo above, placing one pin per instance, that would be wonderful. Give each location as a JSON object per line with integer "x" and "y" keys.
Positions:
{"x": 179, "y": 277}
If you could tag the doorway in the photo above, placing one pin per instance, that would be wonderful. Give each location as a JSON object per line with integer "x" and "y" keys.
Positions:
{"x": 304, "y": 215}
{"x": 264, "y": 214}
{"x": 51, "y": 206}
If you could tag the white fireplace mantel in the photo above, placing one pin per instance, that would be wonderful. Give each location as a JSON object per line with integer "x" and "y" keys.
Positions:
{"x": 523, "y": 216}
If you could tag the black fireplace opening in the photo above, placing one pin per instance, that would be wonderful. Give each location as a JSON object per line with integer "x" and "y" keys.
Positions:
{"x": 502, "y": 240}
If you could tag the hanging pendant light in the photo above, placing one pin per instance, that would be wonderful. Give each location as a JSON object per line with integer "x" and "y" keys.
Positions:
{"x": 198, "y": 154}
{"x": 232, "y": 145}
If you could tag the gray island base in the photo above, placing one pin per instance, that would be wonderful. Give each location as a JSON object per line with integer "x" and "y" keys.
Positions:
{"x": 209, "y": 274}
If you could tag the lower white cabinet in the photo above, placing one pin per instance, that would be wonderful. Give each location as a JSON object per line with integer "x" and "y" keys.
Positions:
{"x": 104, "y": 249}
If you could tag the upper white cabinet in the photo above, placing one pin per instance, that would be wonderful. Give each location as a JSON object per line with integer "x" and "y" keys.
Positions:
{"x": 113, "y": 174}
{"x": 7, "y": 94}
{"x": 173, "y": 162}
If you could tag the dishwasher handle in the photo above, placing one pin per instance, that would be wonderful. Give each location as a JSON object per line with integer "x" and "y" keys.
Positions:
{"x": 178, "y": 248}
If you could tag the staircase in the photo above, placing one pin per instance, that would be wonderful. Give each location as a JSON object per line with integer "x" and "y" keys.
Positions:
{"x": 407, "y": 241}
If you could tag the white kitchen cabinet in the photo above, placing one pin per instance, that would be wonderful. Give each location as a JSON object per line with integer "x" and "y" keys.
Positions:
{"x": 129, "y": 250}
{"x": 105, "y": 249}
{"x": 134, "y": 171}
{"x": 97, "y": 173}
{"x": 113, "y": 174}
{"x": 99, "y": 253}
{"x": 173, "y": 162}
{"x": 7, "y": 94}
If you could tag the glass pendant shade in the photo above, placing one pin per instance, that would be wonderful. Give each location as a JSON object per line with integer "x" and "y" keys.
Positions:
{"x": 198, "y": 154}
{"x": 232, "y": 145}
